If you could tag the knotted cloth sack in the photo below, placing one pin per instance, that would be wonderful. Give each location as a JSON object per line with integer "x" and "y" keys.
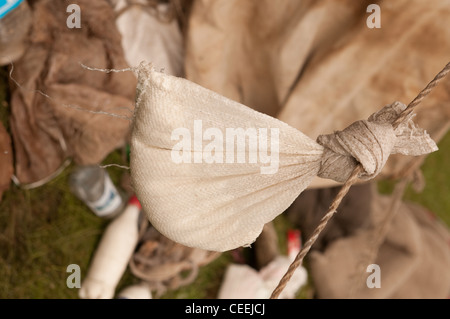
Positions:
{"x": 204, "y": 187}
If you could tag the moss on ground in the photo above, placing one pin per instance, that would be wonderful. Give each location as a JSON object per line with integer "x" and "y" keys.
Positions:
{"x": 43, "y": 231}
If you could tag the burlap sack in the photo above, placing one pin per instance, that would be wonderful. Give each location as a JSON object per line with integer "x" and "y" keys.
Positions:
{"x": 317, "y": 66}
{"x": 48, "y": 129}
{"x": 216, "y": 192}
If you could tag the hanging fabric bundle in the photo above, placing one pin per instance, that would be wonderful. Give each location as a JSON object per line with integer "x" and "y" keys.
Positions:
{"x": 211, "y": 172}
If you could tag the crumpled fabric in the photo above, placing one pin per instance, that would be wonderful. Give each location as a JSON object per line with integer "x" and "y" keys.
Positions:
{"x": 53, "y": 111}
{"x": 244, "y": 282}
{"x": 147, "y": 38}
{"x": 205, "y": 201}
{"x": 315, "y": 64}
{"x": 414, "y": 257}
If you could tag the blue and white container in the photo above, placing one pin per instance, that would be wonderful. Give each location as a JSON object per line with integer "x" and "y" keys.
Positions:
{"x": 94, "y": 187}
{"x": 7, "y": 6}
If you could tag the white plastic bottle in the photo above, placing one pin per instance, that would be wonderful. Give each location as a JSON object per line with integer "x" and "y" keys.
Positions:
{"x": 111, "y": 258}
{"x": 15, "y": 22}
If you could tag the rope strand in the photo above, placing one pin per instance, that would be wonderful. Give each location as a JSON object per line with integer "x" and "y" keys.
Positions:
{"x": 419, "y": 98}
{"x": 350, "y": 181}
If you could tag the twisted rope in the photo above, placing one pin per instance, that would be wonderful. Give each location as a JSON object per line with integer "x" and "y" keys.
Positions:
{"x": 350, "y": 181}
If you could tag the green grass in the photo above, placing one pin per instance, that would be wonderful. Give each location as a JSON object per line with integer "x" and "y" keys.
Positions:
{"x": 44, "y": 230}
{"x": 436, "y": 194}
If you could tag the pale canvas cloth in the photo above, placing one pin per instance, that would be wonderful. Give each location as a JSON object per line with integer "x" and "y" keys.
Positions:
{"x": 221, "y": 206}
{"x": 146, "y": 38}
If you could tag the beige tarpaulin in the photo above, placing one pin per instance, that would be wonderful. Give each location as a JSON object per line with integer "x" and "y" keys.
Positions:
{"x": 317, "y": 66}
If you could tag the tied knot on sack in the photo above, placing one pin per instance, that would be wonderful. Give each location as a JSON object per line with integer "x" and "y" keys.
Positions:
{"x": 218, "y": 205}
{"x": 370, "y": 142}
